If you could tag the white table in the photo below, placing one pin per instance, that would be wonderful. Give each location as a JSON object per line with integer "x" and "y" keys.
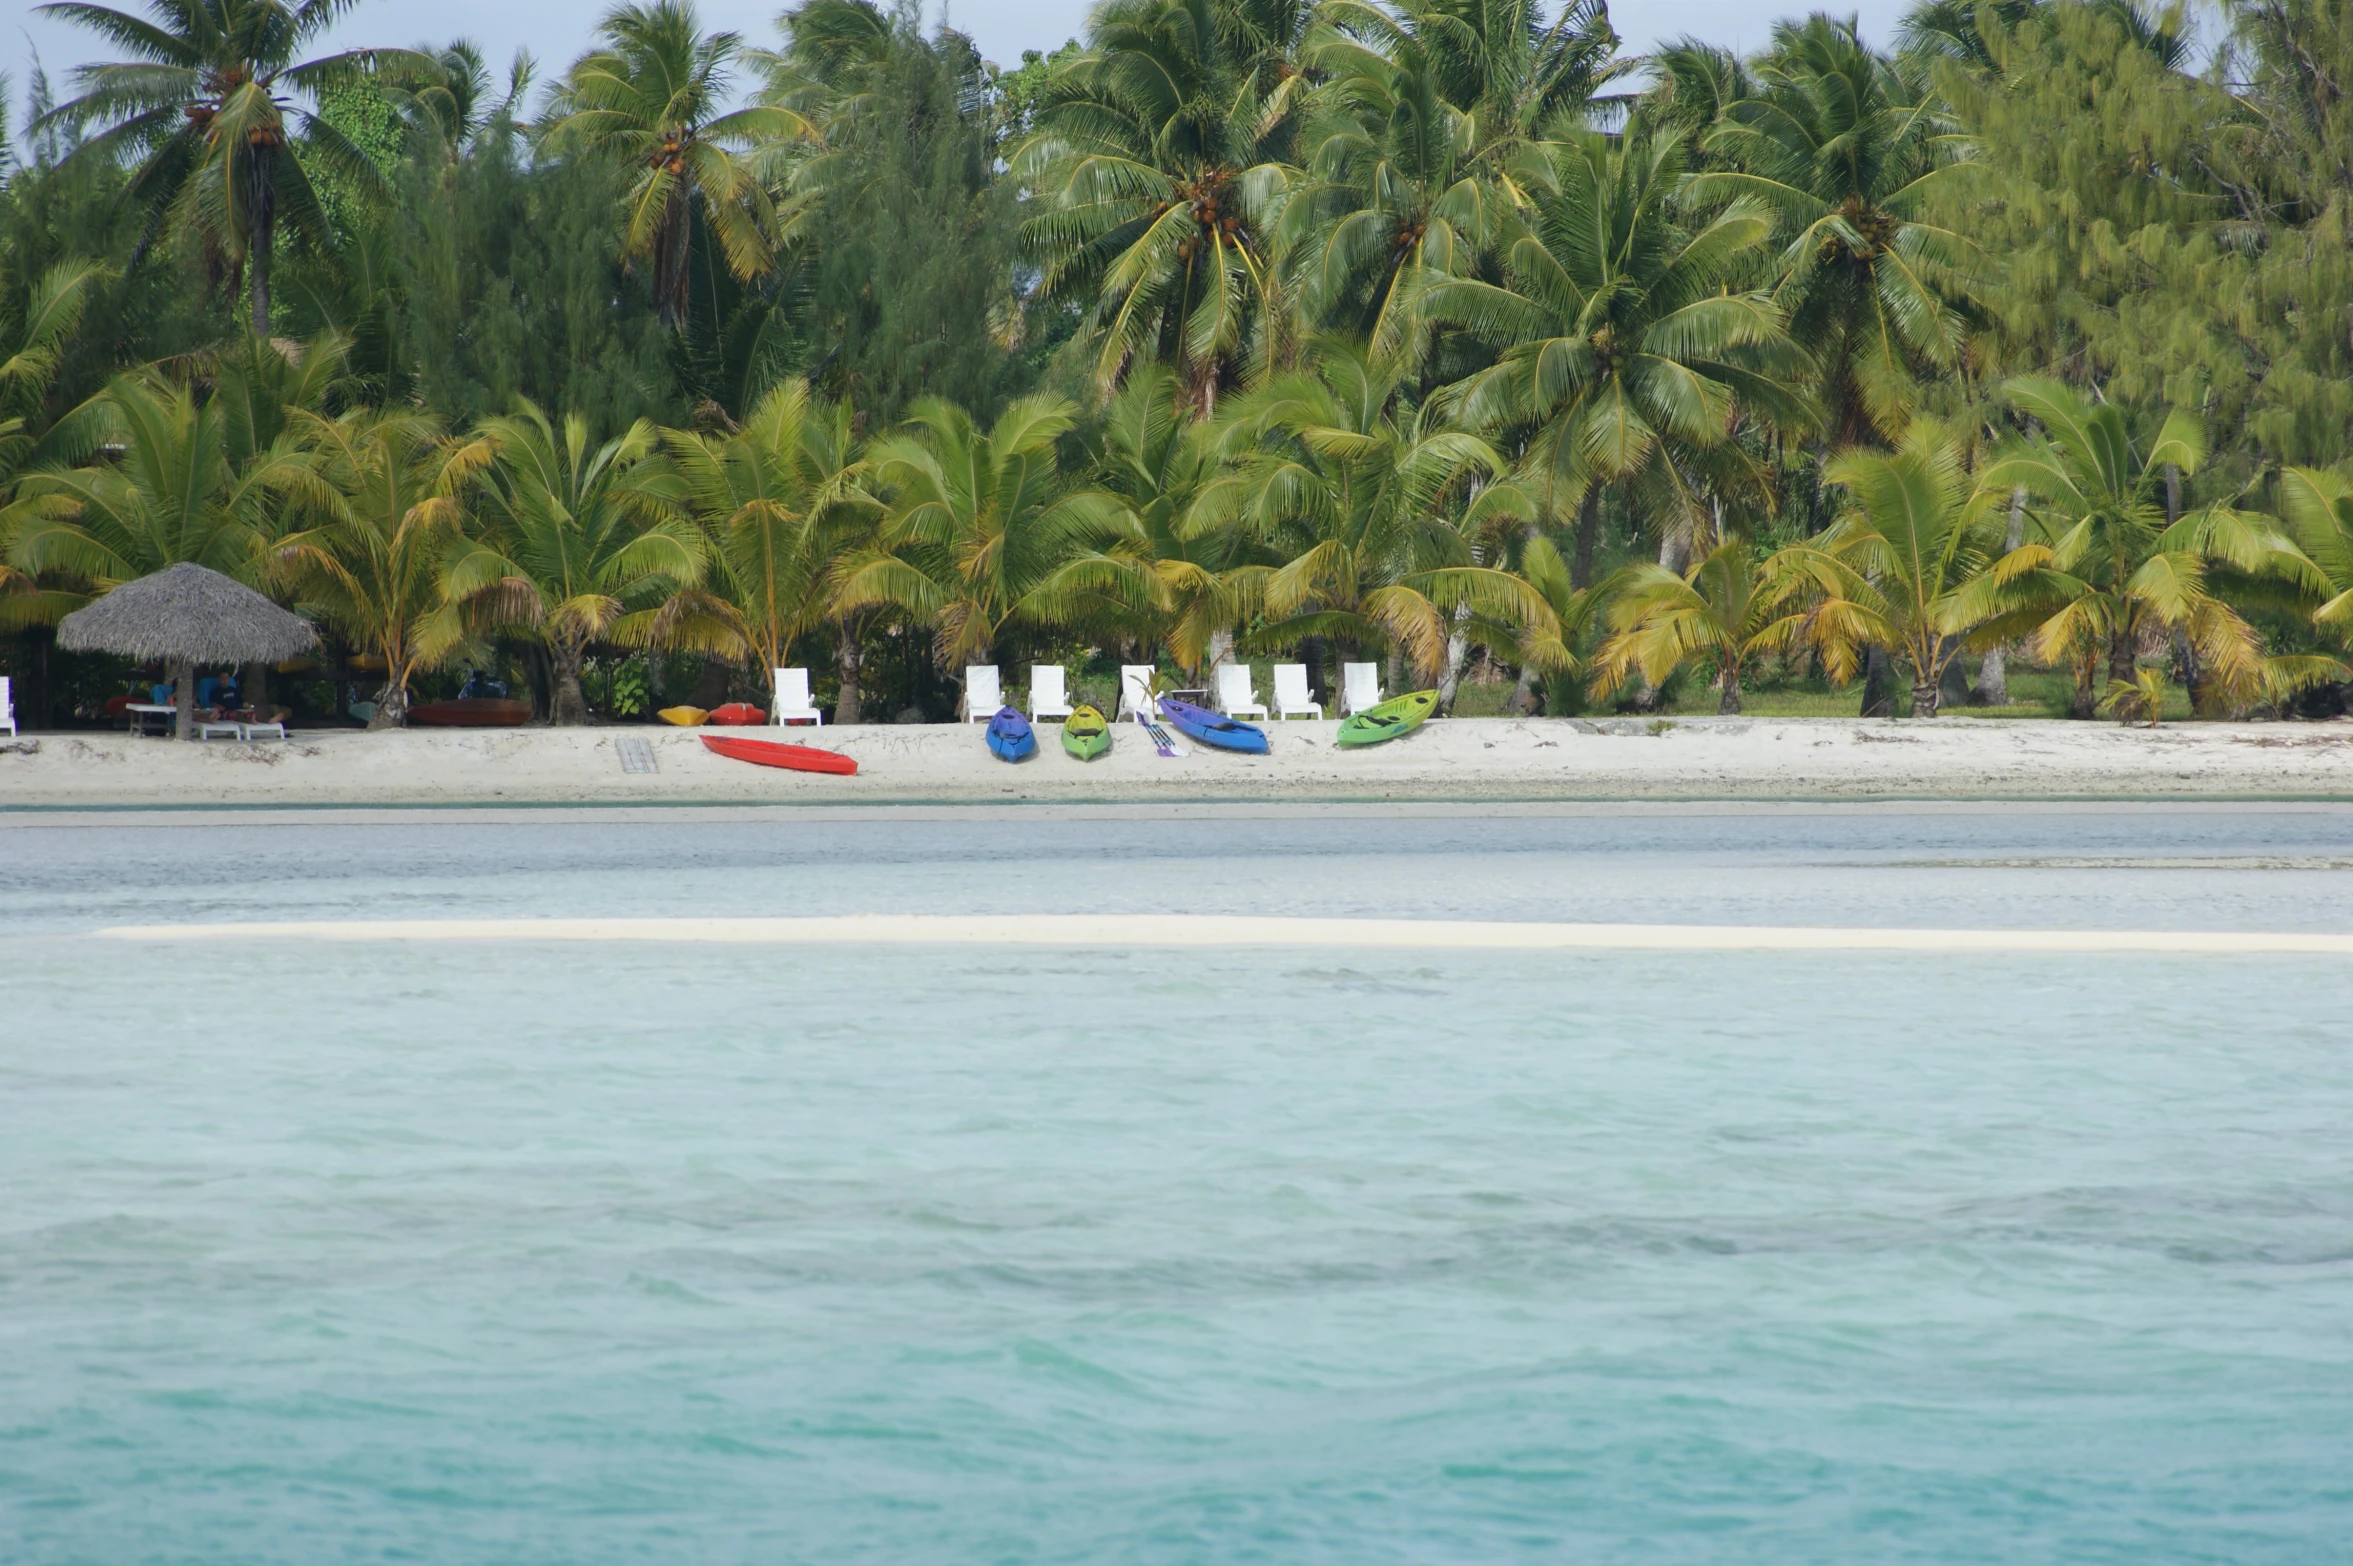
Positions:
{"x": 141, "y": 711}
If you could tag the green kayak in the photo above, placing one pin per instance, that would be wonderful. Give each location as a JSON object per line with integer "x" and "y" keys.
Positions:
{"x": 1085, "y": 735}
{"x": 1398, "y": 715}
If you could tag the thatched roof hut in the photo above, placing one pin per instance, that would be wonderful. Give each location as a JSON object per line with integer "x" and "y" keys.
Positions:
{"x": 187, "y": 615}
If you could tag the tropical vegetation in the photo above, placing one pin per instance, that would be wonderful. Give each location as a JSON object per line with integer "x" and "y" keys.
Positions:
{"x": 1445, "y": 333}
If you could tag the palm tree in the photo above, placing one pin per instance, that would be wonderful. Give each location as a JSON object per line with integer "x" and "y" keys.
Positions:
{"x": 1627, "y": 358}
{"x": 1422, "y": 142}
{"x": 779, "y": 499}
{"x": 1728, "y": 610}
{"x": 1923, "y": 539}
{"x": 1847, "y": 149}
{"x": 371, "y": 563}
{"x": 1167, "y": 570}
{"x": 1160, "y": 159}
{"x": 1375, "y": 506}
{"x": 203, "y": 110}
{"x": 654, "y": 97}
{"x": 578, "y": 542}
{"x": 981, "y": 532}
{"x": 35, "y": 329}
{"x": 2109, "y": 572}
{"x": 168, "y": 488}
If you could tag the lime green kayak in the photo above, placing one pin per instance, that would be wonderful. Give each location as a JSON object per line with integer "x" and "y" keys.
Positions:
{"x": 1085, "y": 735}
{"x": 1398, "y": 715}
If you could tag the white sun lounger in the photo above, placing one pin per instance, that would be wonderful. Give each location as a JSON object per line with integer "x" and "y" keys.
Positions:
{"x": 7, "y": 708}
{"x": 792, "y": 698}
{"x": 1360, "y": 687}
{"x": 984, "y": 692}
{"x": 1049, "y": 691}
{"x": 1291, "y": 694}
{"x": 276, "y": 728}
{"x": 1135, "y": 691}
{"x": 1234, "y": 693}
{"x": 210, "y": 728}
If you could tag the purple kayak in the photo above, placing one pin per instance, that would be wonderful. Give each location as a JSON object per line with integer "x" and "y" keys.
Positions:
{"x": 1214, "y": 728}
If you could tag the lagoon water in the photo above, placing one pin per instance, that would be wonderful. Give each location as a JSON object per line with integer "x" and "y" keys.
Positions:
{"x": 517, "y": 1253}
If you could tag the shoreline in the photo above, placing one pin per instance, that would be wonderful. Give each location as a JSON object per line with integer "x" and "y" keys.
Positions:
{"x": 1485, "y": 764}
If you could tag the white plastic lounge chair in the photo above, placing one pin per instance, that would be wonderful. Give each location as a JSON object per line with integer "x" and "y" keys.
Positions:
{"x": 984, "y": 693}
{"x": 792, "y": 698}
{"x": 207, "y": 728}
{"x": 1360, "y": 687}
{"x": 1234, "y": 693}
{"x": 7, "y": 708}
{"x": 1291, "y": 694}
{"x": 275, "y": 728}
{"x": 1049, "y": 692}
{"x": 1135, "y": 691}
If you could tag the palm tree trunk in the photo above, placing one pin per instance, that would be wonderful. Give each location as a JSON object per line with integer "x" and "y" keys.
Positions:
{"x": 1924, "y": 699}
{"x": 1878, "y": 684}
{"x": 183, "y": 672}
{"x": 567, "y": 706}
{"x": 1730, "y": 705}
{"x": 1588, "y": 539}
{"x": 848, "y": 661}
{"x": 2123, "y": 647}
{"x": 2086, "y": 704}
{"x": 1993, "y": 670}
{"x": 392, "y": 702}
{"x": 1458, "y": 644}
{"x": 262, "y": 207}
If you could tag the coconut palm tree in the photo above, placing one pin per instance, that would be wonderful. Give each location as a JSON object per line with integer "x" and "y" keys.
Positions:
{"x": 2108, "y": 573}
{"x": 576, "y": 542}
{"x": 1160, "y": 159}
{"x": 1847, "y": 148}
{"x": 1377, "y": 509}
{"x": 1422, "y": 143}
{"x": 1165, "y": 570}
{"x": 35, "y": 328}
{"x": 780, "y": 501}
{"x": 981, "y": 530}
{"x": 168, "y": 487}
{"x": 1923, "y": 538}
{"x": 205, "y": 113}
{"x": 370, "y": 562}
{"x": 1726, "y": 611}
{"x": 655, "y": 97}
{"x": 1628, "y": 358}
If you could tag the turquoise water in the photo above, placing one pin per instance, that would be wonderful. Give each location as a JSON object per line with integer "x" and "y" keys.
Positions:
{"x": 540, "y": 1254}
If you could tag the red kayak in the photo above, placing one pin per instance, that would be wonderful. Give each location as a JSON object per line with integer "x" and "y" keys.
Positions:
{"x": 773, "y": 753}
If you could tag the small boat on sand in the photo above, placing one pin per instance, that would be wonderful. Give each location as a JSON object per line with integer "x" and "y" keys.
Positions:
{"x": 472, "y": 712}
{"x": 737, "y": 714}
{"x": 1398, "y": 715}
{"x": 775, "y": 753}
{"x": 682, "y": 717}
{"x": 1214, "y": 728}
{"x": 1085, "y": 735}
{"x": 1011, "y": 737}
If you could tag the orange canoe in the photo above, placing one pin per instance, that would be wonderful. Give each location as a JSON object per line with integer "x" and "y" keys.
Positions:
{"x": 774, "y": 753}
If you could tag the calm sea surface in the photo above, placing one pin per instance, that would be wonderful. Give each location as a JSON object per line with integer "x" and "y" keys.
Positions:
{"x": 519, "y": 1253}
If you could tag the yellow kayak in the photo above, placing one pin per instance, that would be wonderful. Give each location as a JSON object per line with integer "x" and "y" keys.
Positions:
{"x": 683, "y": 717}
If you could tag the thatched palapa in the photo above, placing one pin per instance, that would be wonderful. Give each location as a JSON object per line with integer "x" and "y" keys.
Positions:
{"x": 187, "y": 615}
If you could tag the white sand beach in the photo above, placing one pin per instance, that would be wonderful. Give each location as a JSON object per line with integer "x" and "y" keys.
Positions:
{"x": 1474, "y": 759}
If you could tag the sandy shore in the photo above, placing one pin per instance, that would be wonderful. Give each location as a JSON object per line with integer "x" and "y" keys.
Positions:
{"x": 1134, "y": 931}
{"x": 1462, "y": 760}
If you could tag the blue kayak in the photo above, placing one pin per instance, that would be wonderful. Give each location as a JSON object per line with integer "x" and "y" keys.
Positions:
{"x": 1214, "y": 728}
{"x": 1011, "y": 737}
